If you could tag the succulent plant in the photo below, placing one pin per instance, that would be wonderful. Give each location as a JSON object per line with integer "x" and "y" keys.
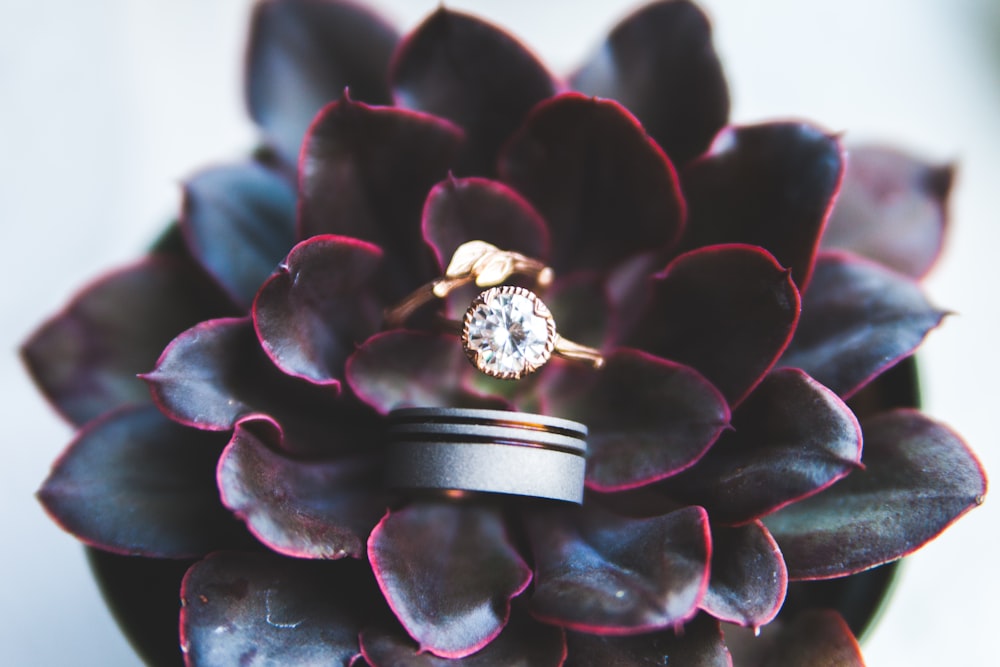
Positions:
{"x": 744, "y": 283}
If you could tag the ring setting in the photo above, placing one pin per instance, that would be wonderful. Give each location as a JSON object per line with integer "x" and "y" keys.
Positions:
{"x": 508, "y": 332}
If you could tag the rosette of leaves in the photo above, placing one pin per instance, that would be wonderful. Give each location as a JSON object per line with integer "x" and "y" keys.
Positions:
{"x": 744, "y": 282}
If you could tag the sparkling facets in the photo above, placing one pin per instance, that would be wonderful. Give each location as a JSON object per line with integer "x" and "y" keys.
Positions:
{"x": 508, "y": 332}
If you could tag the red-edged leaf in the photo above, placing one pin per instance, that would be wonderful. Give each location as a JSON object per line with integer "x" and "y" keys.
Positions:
{"x": 476, "y": 209}
{"x": 698, "y": 643}
{"x": 133, "y": 482}
{"x": 605, "y": 188}
{"x": 818, "y": 637}
{"x": 648, "y": 418}
{"x": 449, "y": 573}
{"x": 791, "y": 438}
{"x": 86, "y": 358}
{"x": 238, "y": 221}
{"x": 470, "y": 72}
{"x": 858, "y": 320}
{"x": 605, "y": 574}
{"x": 215, "y": 375}
{"x": 402, "y": 368}
{"x": 365, "y": 171}
{"x": 260, "y": 609}
{"x": 523, "y": 643}
{"x": 728, "y": 311}
{"x": 320, "y": 304}
{"x": 779, "y": 180}
{"x": 659, "y": 62}
{"x": 302, "y": 54}
{"x": 919, "y": 478}
{"x": 306, "y": 509}
{"x": 749, "y": 578}
{"x": 893, "y": 209}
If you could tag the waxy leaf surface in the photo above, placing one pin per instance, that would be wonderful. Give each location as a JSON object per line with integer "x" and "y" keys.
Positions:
{"x": 305, "y": 509}
{"x": 919, "y": 477}
{"x": 302, "y": 54}
{"x": 606, "y": 574}
{"x": 365, "y": 171}
{"x": 320, "y": 304}
{"x": 749, "y": 578}
{"x": 660, "y": 64}
{"x": 403, "y": 368}
{"x": 449, "y": 573}
{"x": 605, "y": 188}
{"x": 779, "y": 180}
{"x": 258, "y": 609}
{"x": 858, "y": 319}
{"x": 698, "y": 644}
{"x": 791, "y": 438}
{"x": 462, "y": 68}
{"x": 86, "y": 358}
{"x": 728, "y": 311}
{"x": 133, "y": 482}
{"x": 239, "y": 222}
{"x": 523, "y": 643}
{"x": 892, "y": 209}
{"x": 459, "y": 210}
{"x": 818, "y": 637}
{"x": 648, "y": 418}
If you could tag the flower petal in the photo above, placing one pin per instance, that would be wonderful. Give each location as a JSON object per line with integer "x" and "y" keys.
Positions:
{"x": 449, "y": 573}
{"x": 726, "y": 310}
{"x": 919, "y": 478}
{"x": 648, "y": 418}
{"x": 239, "y": 222}
{"x": 260, "y": 609}
{"x": 659, "y": 63}
{"x": 302, "y": 54}
{"x": 466, "y": 70}
{"x": 215, "y": 376}
{"x": 365, "y": 171}
{"x": 133, "y": 482}
{"x": 403, "y": 368}
{"x": 306, "y": 509}
{"x": 779, "y": 180}
{"x": 312, "y": 312}
{"x": 792, "y": 438}
{"x": 85, "y": 358}
{"x": 605, "y": 188}
{"x": 466, "y": 209}
{"x": 523, "y": 642}
{"x": 815, "y": 637}
{"x": 892, "y": 209}
{"x": 605, "y": 574}
{"x": 858, "y": 319}
{"x": 698, "y": 644}
{"x": 749, "y": 578}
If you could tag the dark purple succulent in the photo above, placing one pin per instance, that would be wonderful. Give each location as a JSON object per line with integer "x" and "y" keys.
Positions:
{"x": 743, "y": 283}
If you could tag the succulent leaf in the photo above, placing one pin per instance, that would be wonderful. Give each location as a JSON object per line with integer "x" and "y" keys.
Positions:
{"x": 648, "y": 418}
{"x": 466, "y": 70}
{"x": 605, "y": 188}
{"x": 605, "y": 574}
{"x": 791, "y": 438}
{"x": 302, "y": 54}
{"x": 815, "y": 637}
{"x": 659, "y": 63}
{"x": 858, "y": 320}
{"x": 134, "y": 482}
{"x": 698, "y": 644}
{"x": 449, "y": 573}
{"x": 250, "y": 206}
{"x": 780, "y": 181}
{"x": 892, "y": 209}
{"x": 319, "y": 304}
{"x": 918, "y": 478}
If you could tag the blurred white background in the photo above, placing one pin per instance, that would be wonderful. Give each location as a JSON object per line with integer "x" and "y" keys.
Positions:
{"x": 107, "y": 104}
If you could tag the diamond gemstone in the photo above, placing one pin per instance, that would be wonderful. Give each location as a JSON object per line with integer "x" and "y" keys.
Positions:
{"x": 508, "y": 332}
